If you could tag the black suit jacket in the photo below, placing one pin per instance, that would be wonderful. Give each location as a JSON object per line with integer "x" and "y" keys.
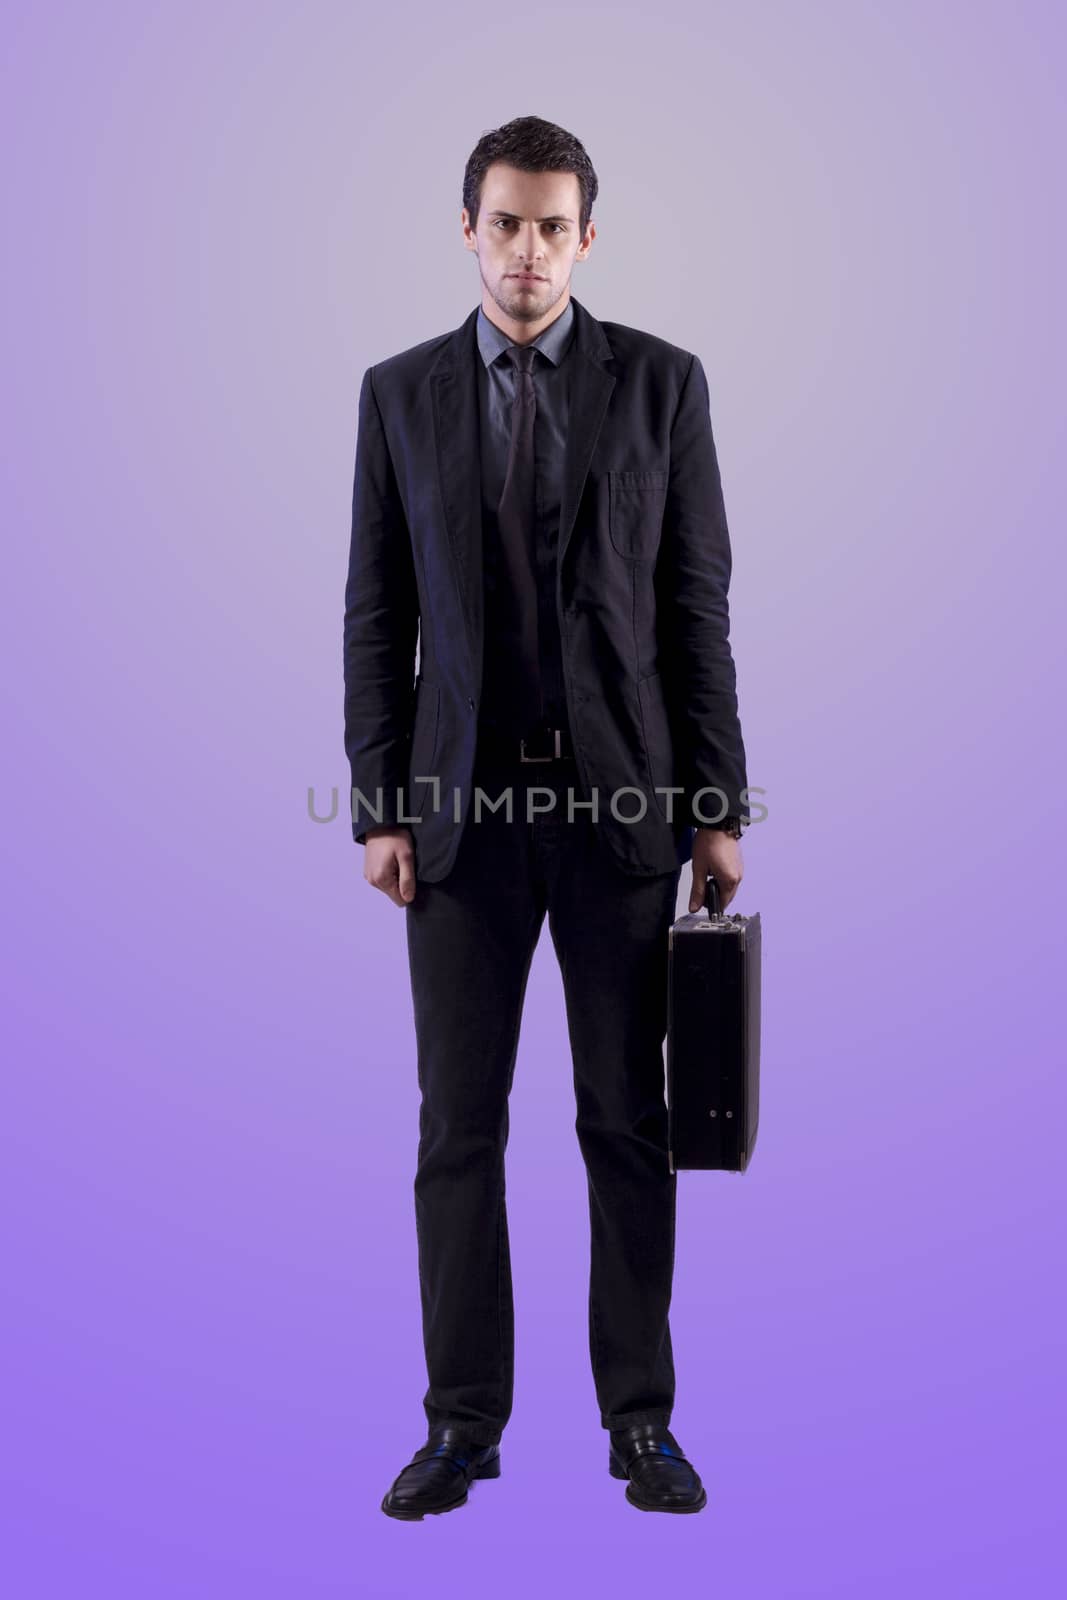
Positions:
{"x": 643, "y": 571}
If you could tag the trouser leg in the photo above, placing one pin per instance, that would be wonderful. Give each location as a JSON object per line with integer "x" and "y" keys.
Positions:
{"x": 610, "y": 933}
{"x": 471, "y": 939}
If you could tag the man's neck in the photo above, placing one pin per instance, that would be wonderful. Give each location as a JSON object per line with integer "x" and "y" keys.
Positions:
{"x": 522, "y": 332}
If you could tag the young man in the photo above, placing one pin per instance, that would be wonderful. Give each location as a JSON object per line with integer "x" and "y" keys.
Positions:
{"x": 537, "y": 502}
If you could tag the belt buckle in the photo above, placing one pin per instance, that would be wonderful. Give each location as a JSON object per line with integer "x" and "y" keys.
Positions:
{"x": 555, "y": 756}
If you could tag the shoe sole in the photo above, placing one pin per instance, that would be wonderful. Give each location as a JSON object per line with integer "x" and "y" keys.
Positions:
{"x": 490, "y": 1470}
{"x": 651, "y": 1505}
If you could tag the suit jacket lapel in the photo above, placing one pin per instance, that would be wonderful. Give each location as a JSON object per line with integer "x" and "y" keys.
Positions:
{"x": 453, "y": 386}
{"x": 453, "y": 381}
{"x": 591, "y": 386}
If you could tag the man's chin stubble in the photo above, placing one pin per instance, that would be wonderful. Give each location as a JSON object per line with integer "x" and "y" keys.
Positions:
{"x": 526, "y": 307}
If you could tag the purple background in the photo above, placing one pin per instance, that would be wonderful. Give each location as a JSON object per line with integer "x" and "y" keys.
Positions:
{"x": 217, "y": 217}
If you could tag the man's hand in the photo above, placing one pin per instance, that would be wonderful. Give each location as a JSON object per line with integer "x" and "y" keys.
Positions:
{"x": 389, "y": 862}
{"x": 715, "y": 853}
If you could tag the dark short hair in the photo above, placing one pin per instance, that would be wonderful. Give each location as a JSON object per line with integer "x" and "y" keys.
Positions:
{"x": 532, "y": 145}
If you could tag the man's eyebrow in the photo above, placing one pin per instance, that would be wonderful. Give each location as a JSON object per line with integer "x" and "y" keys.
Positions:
{"x": 539, "y": 219}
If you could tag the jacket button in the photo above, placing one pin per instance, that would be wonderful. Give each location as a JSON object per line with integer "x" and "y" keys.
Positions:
{"x": 471, "y": 704}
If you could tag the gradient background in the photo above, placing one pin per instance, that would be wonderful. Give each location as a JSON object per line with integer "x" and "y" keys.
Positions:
{"x": 218, "y": 216}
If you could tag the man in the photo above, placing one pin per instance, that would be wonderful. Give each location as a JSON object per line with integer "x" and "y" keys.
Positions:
{"x": 537, "y": 506}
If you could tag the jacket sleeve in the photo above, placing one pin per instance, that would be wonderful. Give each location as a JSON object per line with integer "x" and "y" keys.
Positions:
{"x": 380, "y": 629}
{"x": 692, "y": 583}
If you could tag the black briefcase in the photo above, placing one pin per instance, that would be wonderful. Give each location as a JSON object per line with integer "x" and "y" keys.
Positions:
{"x": 713, "y": 1037}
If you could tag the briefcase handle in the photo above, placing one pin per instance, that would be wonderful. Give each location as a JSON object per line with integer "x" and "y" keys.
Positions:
{"x": 712, "y": 902}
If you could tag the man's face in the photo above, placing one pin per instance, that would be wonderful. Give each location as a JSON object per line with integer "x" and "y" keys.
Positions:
{"x": 527, "y": 224}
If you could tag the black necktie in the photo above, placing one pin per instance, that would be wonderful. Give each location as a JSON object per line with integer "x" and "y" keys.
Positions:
{"x": 516, "y": 520}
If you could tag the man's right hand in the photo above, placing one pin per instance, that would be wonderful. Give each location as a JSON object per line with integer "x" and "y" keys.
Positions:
{"x": 389, "y": 862}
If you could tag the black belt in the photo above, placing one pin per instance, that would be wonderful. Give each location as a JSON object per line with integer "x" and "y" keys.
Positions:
{"x": 543, "y": 744}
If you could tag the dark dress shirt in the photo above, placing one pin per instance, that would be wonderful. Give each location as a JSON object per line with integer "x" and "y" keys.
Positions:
{"x": 551, "y": 376}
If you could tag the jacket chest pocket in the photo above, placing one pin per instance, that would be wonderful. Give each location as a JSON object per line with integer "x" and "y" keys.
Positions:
{"x": 636, "y": 502}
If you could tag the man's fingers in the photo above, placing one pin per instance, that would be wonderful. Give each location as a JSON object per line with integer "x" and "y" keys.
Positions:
{"x": 728, "y": 887}
{"x": 406, "y": 867}
{"x": 727, "y": 882}
{"x": 715, "y": 855}
{"x": 392, "y": 870}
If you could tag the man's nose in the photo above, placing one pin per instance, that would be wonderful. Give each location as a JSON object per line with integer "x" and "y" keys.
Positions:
{"x": 529, "y": 246}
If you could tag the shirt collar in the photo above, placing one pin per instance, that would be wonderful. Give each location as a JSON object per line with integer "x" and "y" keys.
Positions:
{"x": 553, "y": 341}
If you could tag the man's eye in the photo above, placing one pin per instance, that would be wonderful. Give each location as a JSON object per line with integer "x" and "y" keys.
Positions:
{"x": 505, "y": 222}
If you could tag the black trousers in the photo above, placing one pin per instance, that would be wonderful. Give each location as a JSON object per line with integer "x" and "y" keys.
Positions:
{"x": 471, "y": 940}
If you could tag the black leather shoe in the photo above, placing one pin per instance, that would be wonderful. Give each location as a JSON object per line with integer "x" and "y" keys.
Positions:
{"x": 438, "y": 1475}
{"x": 661, "y": 1479}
